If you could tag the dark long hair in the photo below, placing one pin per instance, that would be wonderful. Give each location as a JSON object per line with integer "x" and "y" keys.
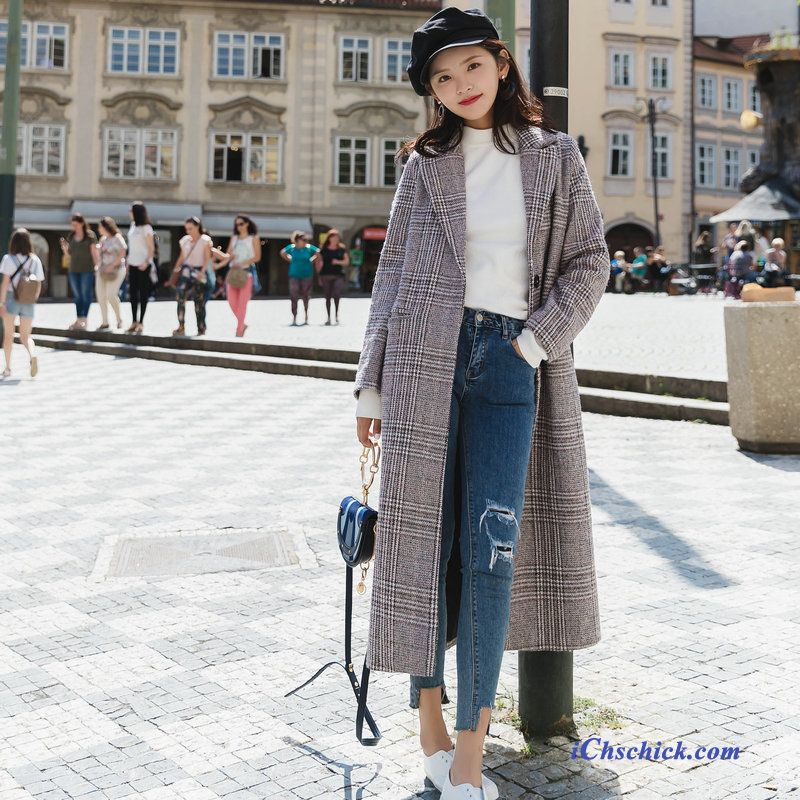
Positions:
{"x": 20, "y": 244}
{"x": 80, "y": 219}
{"x": 514, "y": 105}
{"x": 196, "y": 221}
{"x": 252, "y": 230}
{"x": 139, "y": 213}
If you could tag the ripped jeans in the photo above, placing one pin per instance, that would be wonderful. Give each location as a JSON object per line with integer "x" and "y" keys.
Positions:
{"x": 492, "y": 414}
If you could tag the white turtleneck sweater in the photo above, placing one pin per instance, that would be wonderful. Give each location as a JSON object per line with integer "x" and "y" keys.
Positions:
{"x": 496, "y": 264}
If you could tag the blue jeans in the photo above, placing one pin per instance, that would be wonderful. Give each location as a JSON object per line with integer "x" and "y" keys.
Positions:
{"x": 82, "y": 285}
{"x": 492, "y": 414}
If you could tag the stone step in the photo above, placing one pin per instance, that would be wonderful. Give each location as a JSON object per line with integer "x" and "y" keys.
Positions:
{"x": 614, "y": 402}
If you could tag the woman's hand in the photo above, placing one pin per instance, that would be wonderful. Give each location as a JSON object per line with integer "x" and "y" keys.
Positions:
{"x": 365, "y": 435}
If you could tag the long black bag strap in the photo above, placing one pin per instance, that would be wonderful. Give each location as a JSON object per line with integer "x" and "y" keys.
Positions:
{"x": 19, "y": 269}
{"x": 360, "y": 691}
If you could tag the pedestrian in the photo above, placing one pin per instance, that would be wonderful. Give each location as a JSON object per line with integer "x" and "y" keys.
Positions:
{"x": 746, "y": 232}
{"x": 141, "y": 249}
{"x": 622, "y": 274}
{"x": 774, "y": 264}
{"x": 244, "y": 250}
{"x": 189, "y": 274}
{"x": 82, "y": 259}
{"x": 20, "y": 272}
{"x": 494, "y": 260}
{"x": 740, "y": 269}
{"x": 335, "y": 259}
{"x": 302, "y": 258}
{"x": 703, "y": 252}
{"x": 761, "y": 245}
{"x": 111, "y": 271}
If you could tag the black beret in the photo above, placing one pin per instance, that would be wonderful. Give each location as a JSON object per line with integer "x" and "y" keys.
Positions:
{"x": 449, "y": 27}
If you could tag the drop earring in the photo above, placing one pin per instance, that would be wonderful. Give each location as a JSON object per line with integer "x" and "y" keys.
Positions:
{"x": 440, "y": 110}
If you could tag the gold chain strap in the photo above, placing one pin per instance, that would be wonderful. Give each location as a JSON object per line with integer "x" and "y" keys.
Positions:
{"x": 369, "y": 461}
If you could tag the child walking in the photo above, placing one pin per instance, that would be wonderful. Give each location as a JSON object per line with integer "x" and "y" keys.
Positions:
{"x": 494, "y": 260}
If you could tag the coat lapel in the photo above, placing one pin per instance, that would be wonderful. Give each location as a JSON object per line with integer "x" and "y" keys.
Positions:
{"x": 444, "y": 180}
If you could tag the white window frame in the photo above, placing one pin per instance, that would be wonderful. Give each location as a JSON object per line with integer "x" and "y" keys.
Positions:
{"x": 388, "y": 147}
{"x": 628, "y": 149}
{"x": 140, "y": 145}
{"x": 753, "y": 97}
{"x": 710, "y": 81}
{"x": 29, "y": 35}
{"x": 664, "y": 165}
{"x": 402, "y": 56}
{"x": 659, "y": 3}
{"x": 352, "y": 149}
{"x": 54, "y": 132}
{"x": 250, "y": 45}
{"x": 144, "y": 45}
{"x": 356, "y": 49}
{"x": 667, "y": 84}
{"x": 232, "y": 45}
{"x": 731, "y": 171}
{"x": 727, "y": 84}
{"x": 247, "y": 145}
{"x": 281, "y": 45}
{"x": 622, "y": 55}
{"x": 709, "y": 158}
{"x": 753, "y": 157}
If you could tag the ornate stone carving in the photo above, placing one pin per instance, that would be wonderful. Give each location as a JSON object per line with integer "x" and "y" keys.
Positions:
{"x": 371, "y": 116}
{"x": 141, "y": 109}
{"x": 371, "y": 23}
{"x": 251, "y": 20}
{"x": 246, "y": 114}
{"x": 145, "y": 16}
{"x": 40, "y": 105}
{"x": 49, "y": 12}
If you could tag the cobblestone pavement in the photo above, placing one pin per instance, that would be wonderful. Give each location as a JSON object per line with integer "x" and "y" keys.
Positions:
{"x": 654, "y": 334}
{"x": 172, "y": 686}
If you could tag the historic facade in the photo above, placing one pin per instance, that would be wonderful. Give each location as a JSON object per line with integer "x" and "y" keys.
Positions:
{"x": 290, "y": 112}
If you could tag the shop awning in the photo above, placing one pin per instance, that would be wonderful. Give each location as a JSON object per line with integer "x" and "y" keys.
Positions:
{"x": 773, "y": 201}
{"x": 51, "y": 218}
{"x": 160, "y": 213}
{"x": 269, "y": 227}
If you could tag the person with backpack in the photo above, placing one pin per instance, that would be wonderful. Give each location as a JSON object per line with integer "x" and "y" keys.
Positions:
{"x": 22, "y": 276}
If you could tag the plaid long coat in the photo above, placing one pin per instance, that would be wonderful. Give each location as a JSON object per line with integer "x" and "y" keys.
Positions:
{"x": 409, "y": 355}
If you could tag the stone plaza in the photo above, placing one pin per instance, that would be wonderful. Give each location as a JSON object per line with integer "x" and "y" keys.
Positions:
{"x": 169, "y": 570}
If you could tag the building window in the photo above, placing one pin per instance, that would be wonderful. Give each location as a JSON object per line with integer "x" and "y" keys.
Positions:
{"x": 621, "y": 69}
{"x": 352, "y": 161}
{"x": 231, "y": 58}
{"x": 754, "y": 98}
{"x": 730, "y": 167}
{"x": 398, "y": 53}
{"x": 663, "y": 150}
{"x": 40, "y": 149}
{"x": 354, "y": 59}
{"x": 150, "y": 51}
{"x": 391, "y": 170}
{"x": 659, "y": 3}
{"x": 619, "y": 161}
{"x": 706, "y": 91}
{"x": 50, "y": 45}
{"x": 246, "y": 157}
{"x": 140, "y": 153}
{"x": 753, "y": 158}
{"x": 706, "y": 165}
{"x": 623, "y": 2}
{"x": 660, "y": 72}
{"x": 732, "y": 95}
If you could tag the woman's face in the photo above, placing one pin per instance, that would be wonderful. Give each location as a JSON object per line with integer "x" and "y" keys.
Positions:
{"x": 300, "y": 241}
{"x": 191, "y": 229}
{"x": 241, "y": 227}
{"x": 465, "y": 80}
{"x": 76, "y": 226}
{"x": 334, "y": 240}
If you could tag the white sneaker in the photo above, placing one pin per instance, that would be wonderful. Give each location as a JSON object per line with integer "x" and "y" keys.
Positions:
{"x": 464, "y": 791}
{"x": 437, "y": 770}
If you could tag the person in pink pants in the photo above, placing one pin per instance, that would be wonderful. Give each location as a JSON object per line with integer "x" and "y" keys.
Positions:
{"x": 245, "y": 252}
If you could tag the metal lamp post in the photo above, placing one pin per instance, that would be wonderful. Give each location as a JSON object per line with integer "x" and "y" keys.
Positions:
{"x": 545, "y": 678}
{"x": 648, "y": 109}
{"x": 8, "y": 143}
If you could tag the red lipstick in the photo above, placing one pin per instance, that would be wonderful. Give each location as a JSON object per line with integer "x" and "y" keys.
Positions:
{"x": 470, "y": 100}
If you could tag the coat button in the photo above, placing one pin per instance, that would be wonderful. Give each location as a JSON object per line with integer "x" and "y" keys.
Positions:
{"x": 479, "y": 317}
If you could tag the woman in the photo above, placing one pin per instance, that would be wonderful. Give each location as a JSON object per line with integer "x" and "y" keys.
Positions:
{"x": 740, "y": 269}
{"x": 774, "y": 264}
{"x": 331, "y": 274}
{"x": 141, "y": 249}
{"x": 190, "y": 272}
{"x": 302, "y": 258}
{"x": 244, "y": 250}
{"x": 20, "y": 261}
{"x": 111, "y": 271}
{"x": 494, "y": 260}
{"x": 703, "y": 251}
{"x": 83, "y": 259}
{"x": 746, "y": 232}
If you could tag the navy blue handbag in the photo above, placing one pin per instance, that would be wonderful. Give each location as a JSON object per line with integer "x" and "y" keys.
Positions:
{"x": 357, "y": 527}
